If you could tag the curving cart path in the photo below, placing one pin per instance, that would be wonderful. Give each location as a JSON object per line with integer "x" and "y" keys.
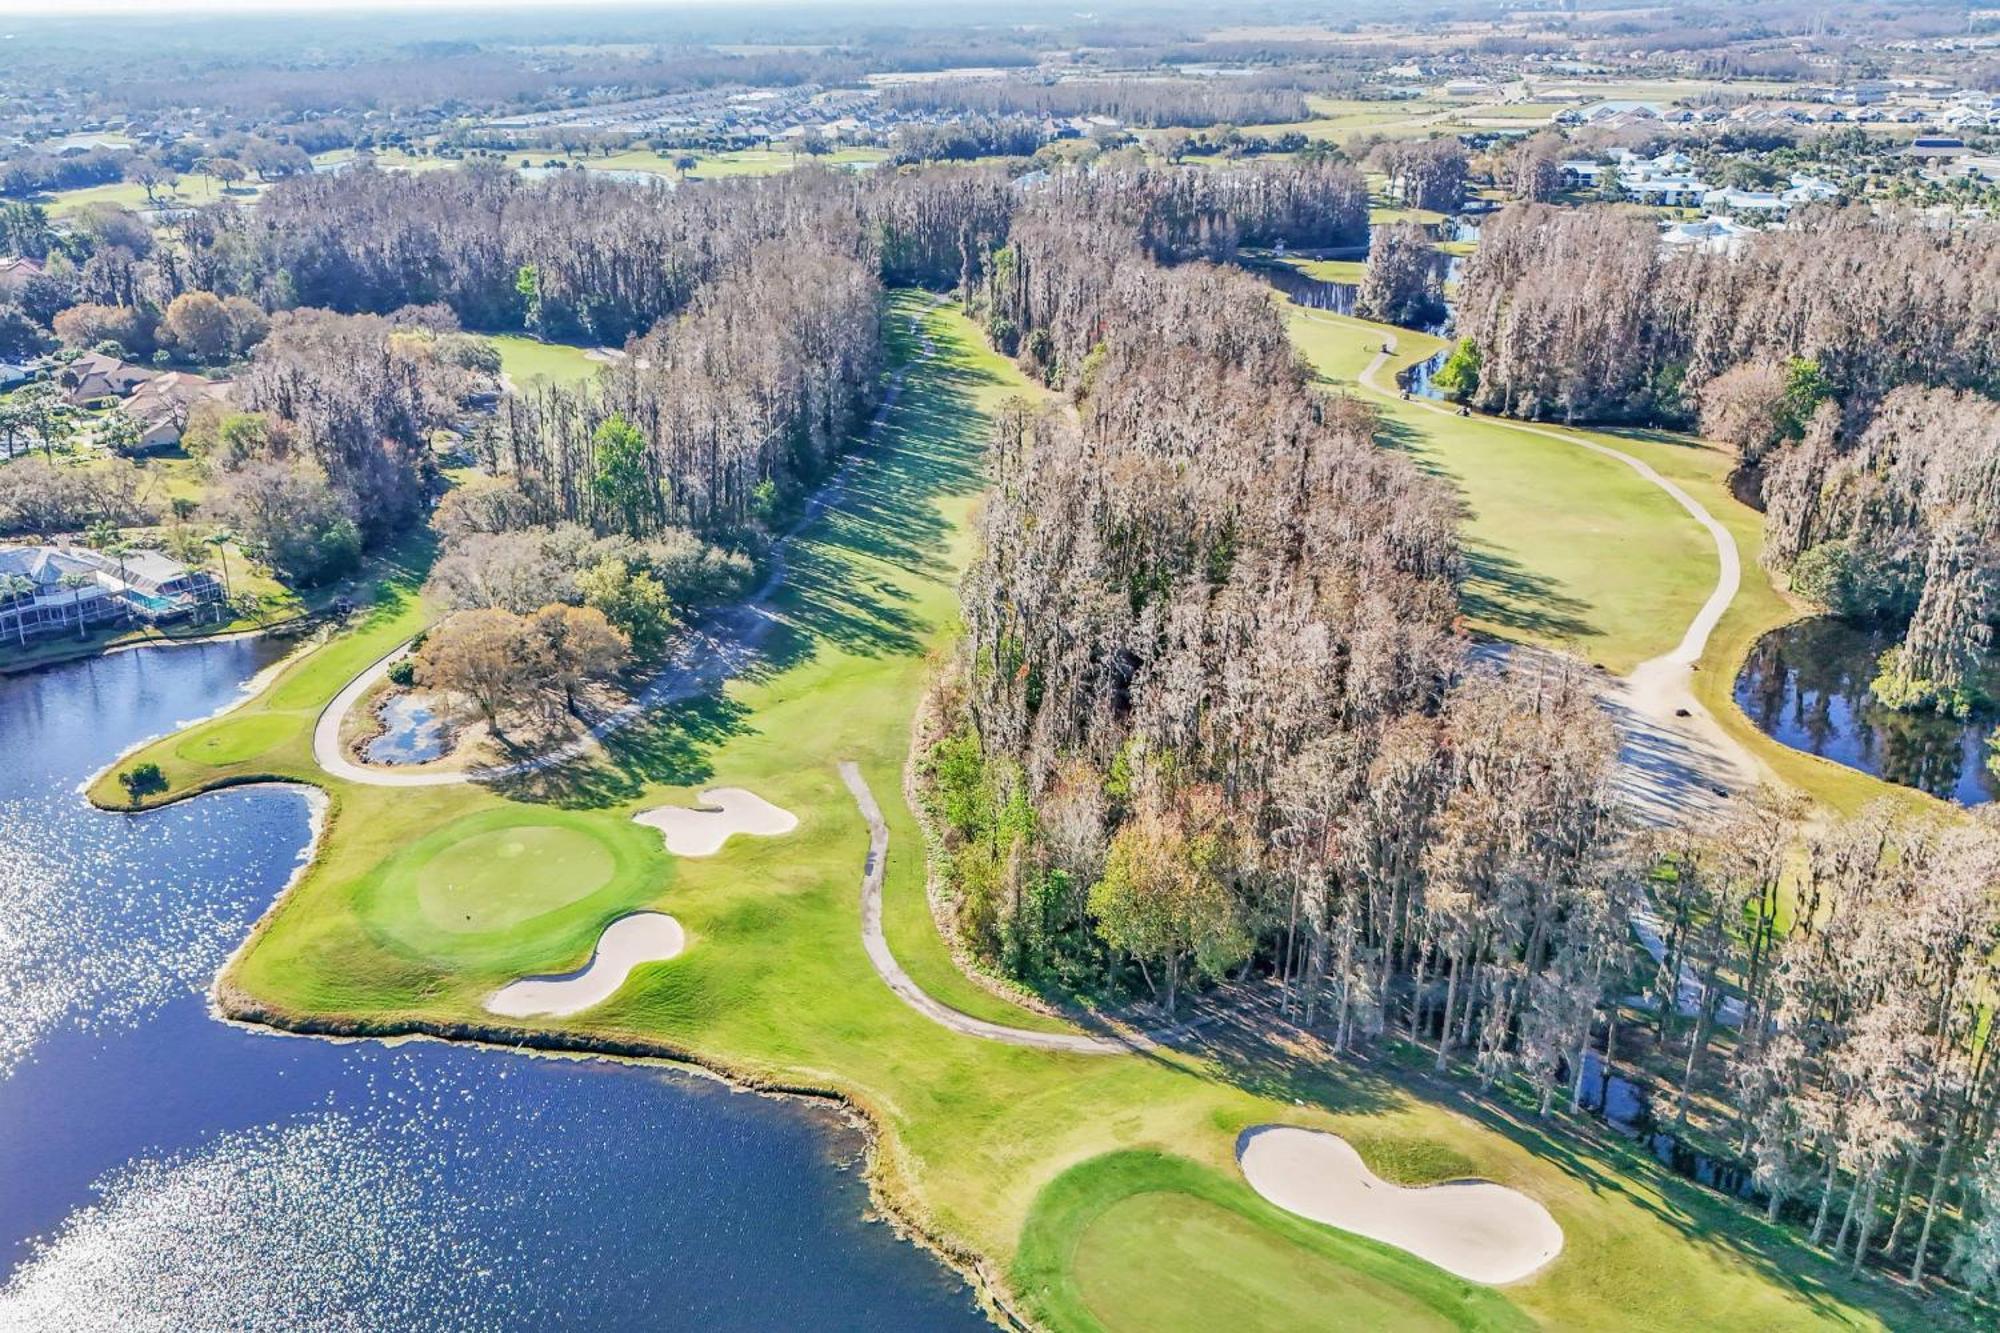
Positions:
{"x": 907, "y": 990}
{"x": 718, "y": 647}
{"x": 1675, "y": 760}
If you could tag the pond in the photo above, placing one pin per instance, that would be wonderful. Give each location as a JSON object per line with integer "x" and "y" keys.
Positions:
{"x": 413, "y": 731}
{"x": 162, "y": 1169}
{"x": 1806, "y": 684}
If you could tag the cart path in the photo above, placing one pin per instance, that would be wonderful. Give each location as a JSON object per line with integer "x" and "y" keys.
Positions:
{"x": 907, "y": 990}
{"x": 718, "y": 646}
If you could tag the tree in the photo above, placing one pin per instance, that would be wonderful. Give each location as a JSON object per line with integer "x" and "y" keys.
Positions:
{"x": 290, "y": 516}
{"x": 119, "y": 433}
{"x": 620, "y": 481}
{"x": 576, "y": 645}
{"x": 633, "y": 601}
{"x": 1163, "y": 898}
{"x": 485, "y": 655}
{"x": 1751, "y": 408}
{"x": 1403, "y": 283}
{"x": 199, "y": 325}
{"x": 1458, "y": 378}
{"x": 684, "y": 163}
{"x": 141, "y": 781}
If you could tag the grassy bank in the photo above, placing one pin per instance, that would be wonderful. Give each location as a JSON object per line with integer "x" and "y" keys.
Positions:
{"x": 975, "y": 1138}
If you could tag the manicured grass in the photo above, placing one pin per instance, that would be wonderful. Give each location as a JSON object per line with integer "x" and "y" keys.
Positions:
{"x": 1564, "y": 547}
{"x": 523, "y": 359}
{"x": 1141, "y": 1241}
{"x": 1574, "y": 550}
{"x": 775, "y": 984}
{"x": 234, "y": 739}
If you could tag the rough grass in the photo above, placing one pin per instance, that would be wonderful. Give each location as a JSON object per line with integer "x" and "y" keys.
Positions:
{"x": 775, "y": 984}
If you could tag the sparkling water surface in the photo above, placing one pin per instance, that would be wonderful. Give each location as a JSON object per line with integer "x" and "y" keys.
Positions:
{"x": 163, "y": 1170}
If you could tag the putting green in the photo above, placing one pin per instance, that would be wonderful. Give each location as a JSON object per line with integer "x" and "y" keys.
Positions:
{"x": 233, "y": 740}
{"x": 491, "y": 881}
{"x": 524, "y": 879}
{"x": 1208, "y": 1267}
{"x": 1137, "y": 1240}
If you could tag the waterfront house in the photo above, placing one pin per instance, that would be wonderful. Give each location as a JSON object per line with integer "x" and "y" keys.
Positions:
{"x": 53, "y": 589}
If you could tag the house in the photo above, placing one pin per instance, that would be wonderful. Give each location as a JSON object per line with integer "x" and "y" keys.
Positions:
{"x": 161, "y": 404}
{"x": 1711, "y": 235}
{"x": 1808, "y": 190}
{"x": 53, "y": 589}
{"x": 1938, "y": 146}
{"x": 16, "y": 272}
{"x": 1579, "y": 173}
{"x": 94, "y": 377}
{"x": 1744, "y": 201}
{"x": 1669, "y": 192}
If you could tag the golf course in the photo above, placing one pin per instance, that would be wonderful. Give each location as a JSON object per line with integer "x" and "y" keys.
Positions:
{"x": 1078, "y": 1191}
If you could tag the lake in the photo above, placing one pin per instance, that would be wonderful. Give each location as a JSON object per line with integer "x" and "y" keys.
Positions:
{"x": 1806, "y": 684}
{"x": 160, "y": 1169}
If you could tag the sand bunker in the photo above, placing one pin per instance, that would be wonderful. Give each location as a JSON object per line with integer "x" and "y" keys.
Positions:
{"x": 701, "y": 830}
{"x": 1481, "y": 1231}
{"x": 642, "y": 937}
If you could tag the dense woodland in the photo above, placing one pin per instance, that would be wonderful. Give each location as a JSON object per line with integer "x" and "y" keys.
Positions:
{"x": 1853, "y": 358}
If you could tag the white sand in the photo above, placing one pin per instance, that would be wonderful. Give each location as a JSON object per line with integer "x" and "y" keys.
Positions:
{"x": 642, "y": 937}
{"x": 724, "y": 811}
{"x": 1480, "y": 1231}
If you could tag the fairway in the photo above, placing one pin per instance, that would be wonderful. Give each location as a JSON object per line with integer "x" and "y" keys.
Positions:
{"x": 233, "y": 740}
{"x": 1564, "y": 547}
{"x": 523, "y": 359}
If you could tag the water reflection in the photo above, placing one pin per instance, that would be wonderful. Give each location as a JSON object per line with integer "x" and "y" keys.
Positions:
{"x": 162, "y": 1170}
{"x": 1806, "y": 684}
{"x": 413, "y": 731}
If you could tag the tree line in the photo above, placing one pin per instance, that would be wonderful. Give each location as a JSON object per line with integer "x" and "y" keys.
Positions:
{"x": 1157, "y": 103}
{"x": 1853, "y": 360}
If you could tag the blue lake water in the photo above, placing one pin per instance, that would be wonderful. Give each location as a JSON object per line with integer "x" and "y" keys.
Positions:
{"x": 162, "y": 1170}
{"x": 1807, "y": 684}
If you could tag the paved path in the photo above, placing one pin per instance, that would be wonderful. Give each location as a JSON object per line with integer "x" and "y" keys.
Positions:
{"x": 1675, "y": 762}
{"x": 717, "y": 647}
{"x": 899, "y": 981}
{"x": 1674, "y": 758}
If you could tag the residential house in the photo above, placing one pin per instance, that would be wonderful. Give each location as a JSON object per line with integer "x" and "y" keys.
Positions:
{"x": 1712, "y": 235}
{"x": 15, "y": 273}
{"x": 53, "y": 589}
{"x": 1760, "y": 202}
{"x": 161, "y": 404}
{"x": 94, "y": 377}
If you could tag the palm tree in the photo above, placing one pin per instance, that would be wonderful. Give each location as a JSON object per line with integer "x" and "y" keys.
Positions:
{"x": 18, "y": 587}
{"x": 220, "y": 540}
{"x": 76, "y": 583}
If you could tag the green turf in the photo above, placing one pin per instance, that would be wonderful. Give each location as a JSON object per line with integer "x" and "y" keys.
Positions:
{"x": 468, "y": 881}
{"x": 776, "y": 986}
{"x": 523, "y": 359}
{"x": 1141, "y": 1240}
{"x": 234, "y": 739}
